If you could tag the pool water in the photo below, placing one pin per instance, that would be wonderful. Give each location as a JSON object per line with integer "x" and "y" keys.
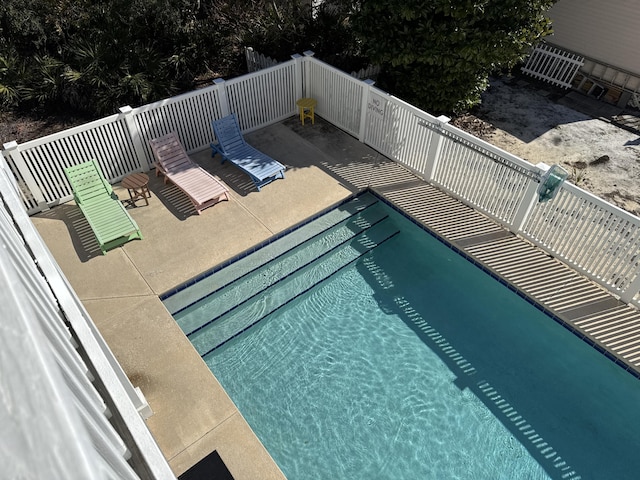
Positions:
{"x": 414, "y": 363}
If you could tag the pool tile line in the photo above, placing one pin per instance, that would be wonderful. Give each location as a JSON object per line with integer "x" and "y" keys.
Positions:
{"x": 257, "y": 247}
{"x": 521, "y": 293}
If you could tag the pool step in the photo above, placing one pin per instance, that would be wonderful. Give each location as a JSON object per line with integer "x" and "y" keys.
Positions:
{"x": 216, "y": 280}
{"x": 219, "y": 330}
{"x": 237, "y": 289}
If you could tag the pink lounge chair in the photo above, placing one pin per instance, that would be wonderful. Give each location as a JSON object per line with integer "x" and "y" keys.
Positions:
{"x": 202, "y": 188}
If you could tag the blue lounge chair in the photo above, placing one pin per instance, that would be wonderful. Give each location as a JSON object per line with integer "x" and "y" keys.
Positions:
{"x": 231, "y": 146}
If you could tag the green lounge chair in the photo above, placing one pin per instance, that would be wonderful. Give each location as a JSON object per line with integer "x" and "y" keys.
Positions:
{"x": 107, "y": 217}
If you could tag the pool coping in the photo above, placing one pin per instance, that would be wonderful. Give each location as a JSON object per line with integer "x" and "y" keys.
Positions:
{"x": 184, "y": 285}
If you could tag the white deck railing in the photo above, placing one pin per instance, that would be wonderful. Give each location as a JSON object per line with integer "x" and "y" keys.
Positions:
{"x": 55, "y": 422}
{"x": 582, "y": 230}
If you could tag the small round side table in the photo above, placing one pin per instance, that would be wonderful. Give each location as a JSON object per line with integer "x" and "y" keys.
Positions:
{"x": 138, "y": 186}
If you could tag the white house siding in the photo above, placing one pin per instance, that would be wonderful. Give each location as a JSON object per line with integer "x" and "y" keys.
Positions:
{"x": 604, "y": 30}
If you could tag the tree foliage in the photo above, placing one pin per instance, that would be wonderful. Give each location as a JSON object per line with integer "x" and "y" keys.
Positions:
{"x": 97, "y": 55}
{"x": 286, "y": 27}
{"x": 439, "y": 54}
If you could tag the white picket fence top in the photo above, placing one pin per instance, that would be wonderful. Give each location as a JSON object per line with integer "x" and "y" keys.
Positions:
{"x": 257, "y": 61}
{"x": 553, "y": 65}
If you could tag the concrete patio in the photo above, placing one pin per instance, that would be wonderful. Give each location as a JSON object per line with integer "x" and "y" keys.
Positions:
{"x": 193, "y": 415}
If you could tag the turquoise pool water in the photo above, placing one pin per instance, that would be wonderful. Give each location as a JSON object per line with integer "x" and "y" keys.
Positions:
{"x": 413, "y": 363}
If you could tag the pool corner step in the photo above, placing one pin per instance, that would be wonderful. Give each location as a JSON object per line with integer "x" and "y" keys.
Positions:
{"x": 245, "y": 286}
{"x": 245, "y": 263}
{"x": 231, "y": 324}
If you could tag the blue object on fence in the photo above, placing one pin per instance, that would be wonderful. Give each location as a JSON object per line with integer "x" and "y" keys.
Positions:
{"x": 551, "y": 182}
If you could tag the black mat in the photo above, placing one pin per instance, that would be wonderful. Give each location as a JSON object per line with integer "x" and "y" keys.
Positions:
{"x": 210, "y": 467}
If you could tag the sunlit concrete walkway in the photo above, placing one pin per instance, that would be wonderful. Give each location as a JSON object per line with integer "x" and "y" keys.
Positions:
{"x": 192, "y": 413}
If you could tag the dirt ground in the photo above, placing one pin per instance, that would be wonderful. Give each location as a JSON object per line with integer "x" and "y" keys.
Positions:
{"x": 530, "y": 121}
{"x": 524, "y": 118}
{"x": 23, "y": 128}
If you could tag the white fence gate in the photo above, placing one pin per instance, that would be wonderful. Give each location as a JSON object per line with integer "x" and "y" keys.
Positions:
{"x": 257, "y": 61}
{"x": 553, "y": 65}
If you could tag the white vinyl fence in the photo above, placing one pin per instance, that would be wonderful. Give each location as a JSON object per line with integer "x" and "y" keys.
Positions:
{"x": 120, "y": 143}
{"x": 38, "y": 165}
{"x": 257, "y": 61}
{"x": 553, "y": 65}
{"x": 591, "y": 235}
{"x": 340, "y": 96}
{"x": 55, "y": 422}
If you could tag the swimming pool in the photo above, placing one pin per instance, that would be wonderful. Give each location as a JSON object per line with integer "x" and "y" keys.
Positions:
{"x": 410, "y": 362}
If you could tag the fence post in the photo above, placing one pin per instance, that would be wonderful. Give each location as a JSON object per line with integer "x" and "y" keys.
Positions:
{"x": 364, "y": 110}
{"x": 306, "y": 78}
{"x": 135, "y": 137}
{"x": 634, "y": 287}
{"x": 13, "y": 151}
{"x": 222, "y": 96}
{"x": 249, "y": 55}
{"x": 435, "y": 147}
{"x": 299, "y": 77}
{"x": 529, "y": 199}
